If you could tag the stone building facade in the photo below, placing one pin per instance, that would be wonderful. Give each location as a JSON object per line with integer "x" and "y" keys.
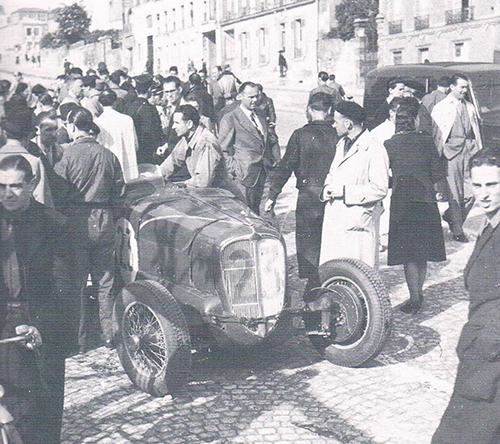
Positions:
{"x": 416, "y": 31}
{"x": 22, "y": 32}
{"x": 245, "y": 34}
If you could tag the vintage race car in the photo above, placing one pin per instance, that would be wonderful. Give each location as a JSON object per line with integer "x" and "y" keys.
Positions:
{"x": 197, "y": 268}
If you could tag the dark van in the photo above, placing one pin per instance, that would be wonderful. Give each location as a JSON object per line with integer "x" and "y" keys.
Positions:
{"x": 484, "y": 91}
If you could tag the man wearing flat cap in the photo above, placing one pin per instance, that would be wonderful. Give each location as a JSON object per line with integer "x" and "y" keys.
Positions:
{"x": 353, "y": 191}
{"x": 146, "y": 120}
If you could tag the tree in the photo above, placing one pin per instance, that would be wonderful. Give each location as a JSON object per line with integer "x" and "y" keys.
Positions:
{"x": 74, "y": 23}
{"x": 347, "y": 11}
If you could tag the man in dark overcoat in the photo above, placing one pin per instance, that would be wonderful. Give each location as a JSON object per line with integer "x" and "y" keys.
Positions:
{"x": 146, "y": 121}
{"x": 473, "y": 414}
{"x": 309, "y": 154}
{"x": 32, "y": 292}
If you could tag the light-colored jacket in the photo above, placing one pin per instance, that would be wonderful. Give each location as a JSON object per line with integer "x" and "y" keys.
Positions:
{"x": 350, "y": 225}
{"x": 443, "y": 116}
{"x": 118, "y": 135}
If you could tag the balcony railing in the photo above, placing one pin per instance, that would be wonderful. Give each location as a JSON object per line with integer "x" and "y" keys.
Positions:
{"x": 258, "y": 7}
{"x": 459, "y": 15}
{"x": 396, "y": 27}
{"x": 421, "y": 22}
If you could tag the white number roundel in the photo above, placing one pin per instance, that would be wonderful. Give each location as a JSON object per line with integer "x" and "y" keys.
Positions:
{"x": 127, "y": 252}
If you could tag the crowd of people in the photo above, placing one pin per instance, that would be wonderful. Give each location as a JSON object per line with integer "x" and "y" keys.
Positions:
{"x": 69, "y": 148}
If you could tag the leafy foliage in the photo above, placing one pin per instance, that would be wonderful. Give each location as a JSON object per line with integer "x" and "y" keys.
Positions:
{"x": 347, "y": 11}
{"x": 73, "y": 22}
{"x": 74, "y": 27}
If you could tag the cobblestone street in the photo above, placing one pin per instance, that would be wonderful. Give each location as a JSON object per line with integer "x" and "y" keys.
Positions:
{"x": 290, "y": 394}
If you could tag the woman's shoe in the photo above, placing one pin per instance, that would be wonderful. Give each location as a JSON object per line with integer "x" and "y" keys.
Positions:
{"x": 411, "y": 307}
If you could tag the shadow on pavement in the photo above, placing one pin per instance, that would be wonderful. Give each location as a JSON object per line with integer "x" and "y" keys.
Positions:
{"x": 409, "y": 338}
{"x": 257, "y": 407}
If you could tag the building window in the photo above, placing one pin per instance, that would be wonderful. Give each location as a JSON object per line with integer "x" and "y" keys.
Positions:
{"x": 183, "y": 21}
{"x": 32, "y": 15}
{"x": 263, "y": 47}
{"x": 245, "y": 50}
{"x": 36, "y": 31}
{"x": 397, "y": 57}
{"x": 191, "y": 14}
{"x": 166, "y": 21}
{"x": 149, "y": 21}
{"x": 423, "y": 55}
{"x": 28, "y": 31}
{"x": 205, "y": 10}
{"x": 229, "y": 44}
{"x": 298, "y": 38}
{"x": 282, "y": 36}
{"x": 459, "y": 50}
{"x": 174, "y": 24}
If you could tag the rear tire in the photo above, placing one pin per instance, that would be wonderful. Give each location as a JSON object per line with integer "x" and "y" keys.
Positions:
{"x": 365, "y": 313}
{"x": 152, "y": 338}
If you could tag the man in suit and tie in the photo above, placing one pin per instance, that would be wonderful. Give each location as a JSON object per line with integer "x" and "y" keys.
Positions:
{"x": 243, "y": 137}
{"x": 457, "y": 138}
{"x": 473, "y": 414}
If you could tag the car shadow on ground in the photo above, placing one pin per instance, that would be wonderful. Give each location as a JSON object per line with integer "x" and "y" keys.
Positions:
{"x": 253, "y": 405}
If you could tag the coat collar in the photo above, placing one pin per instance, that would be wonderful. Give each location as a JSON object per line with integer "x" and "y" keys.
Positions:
{"x": 362, "y": 143}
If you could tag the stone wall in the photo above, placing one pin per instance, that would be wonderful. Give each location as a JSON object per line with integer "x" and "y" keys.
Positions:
{"x": 84, "y": 56}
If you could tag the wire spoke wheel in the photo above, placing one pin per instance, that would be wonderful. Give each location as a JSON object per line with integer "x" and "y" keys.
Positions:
{"x": 144, "y": 339}
{"x": 152, "y": 337}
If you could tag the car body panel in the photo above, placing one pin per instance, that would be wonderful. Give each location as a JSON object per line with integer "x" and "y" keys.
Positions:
{"x": 180, "y": 235}
{"x": 484, "y": 91}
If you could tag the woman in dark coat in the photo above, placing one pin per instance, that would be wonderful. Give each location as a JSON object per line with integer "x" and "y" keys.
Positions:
{"x": 415, "y": 233}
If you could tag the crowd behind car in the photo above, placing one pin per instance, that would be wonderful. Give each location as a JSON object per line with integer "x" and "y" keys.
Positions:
{"x": 75, "y": 143}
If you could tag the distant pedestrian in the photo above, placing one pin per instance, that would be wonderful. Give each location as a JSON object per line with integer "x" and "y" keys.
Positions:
{"x": 309, "y": 154}
{"x": 324, "y": 88}
{"x": 282, "y": 63}
{"x": 415, "y": 233}
{"x": 229, "y": 85}
{"x": 473, "y": 412}
{"x": 336, "y": 86}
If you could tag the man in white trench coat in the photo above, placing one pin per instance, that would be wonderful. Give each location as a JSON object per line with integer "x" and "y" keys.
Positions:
{"x": 354, "y": 188}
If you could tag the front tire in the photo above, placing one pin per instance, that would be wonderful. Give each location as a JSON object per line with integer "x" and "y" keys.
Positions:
{"x": 152, "y": 338}
{"x": 362, "y": 317}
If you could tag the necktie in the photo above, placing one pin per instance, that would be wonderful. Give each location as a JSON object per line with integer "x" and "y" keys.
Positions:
{"x": 254, "y": 121}
{"x": 347, "y": 145}
{"x": 9, "y": 262}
